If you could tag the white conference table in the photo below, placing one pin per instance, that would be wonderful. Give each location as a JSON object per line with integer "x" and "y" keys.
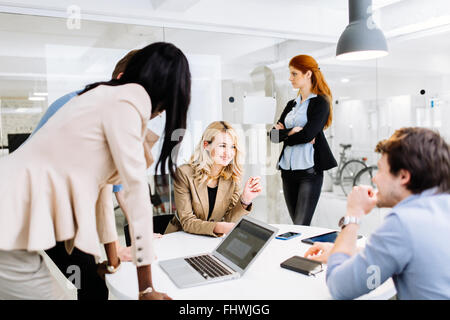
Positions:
{"x": 264, "y": 280}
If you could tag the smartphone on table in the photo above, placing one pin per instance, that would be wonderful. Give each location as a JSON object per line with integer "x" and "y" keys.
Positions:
{"x": 326, "y": 237}
{"x": 288, "y": 235}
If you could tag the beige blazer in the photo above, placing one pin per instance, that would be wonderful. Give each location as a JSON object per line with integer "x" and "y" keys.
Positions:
{"x": 57, "y": 185}
{"x": 192, "y": 204}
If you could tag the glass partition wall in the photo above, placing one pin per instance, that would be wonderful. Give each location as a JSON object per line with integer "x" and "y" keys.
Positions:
{"x": 239, "y": 78}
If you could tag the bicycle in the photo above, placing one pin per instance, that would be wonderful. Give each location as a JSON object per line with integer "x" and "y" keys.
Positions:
{"x": 364, "y": 176}
{"x": 347, "y": 170}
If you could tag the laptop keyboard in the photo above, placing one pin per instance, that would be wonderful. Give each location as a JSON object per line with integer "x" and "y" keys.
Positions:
{"x": 207, "y": 266}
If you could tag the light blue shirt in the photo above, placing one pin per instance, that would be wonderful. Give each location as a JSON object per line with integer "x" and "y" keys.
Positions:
{"x": 412, "y": 246}
{"x": 117, "y": 188}
{"x": 54, "y": 107}
{"x": 300, "y": 156}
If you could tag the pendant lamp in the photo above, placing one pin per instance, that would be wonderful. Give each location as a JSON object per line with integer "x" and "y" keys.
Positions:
{"x": 361, "y": 39}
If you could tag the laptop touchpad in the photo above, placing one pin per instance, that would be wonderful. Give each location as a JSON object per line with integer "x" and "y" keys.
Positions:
{"x": 186, "y": 275}
{"x": 182, "y": 273}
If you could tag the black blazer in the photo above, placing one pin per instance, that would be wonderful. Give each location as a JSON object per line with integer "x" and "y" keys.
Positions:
{"x": 318, "y": 112}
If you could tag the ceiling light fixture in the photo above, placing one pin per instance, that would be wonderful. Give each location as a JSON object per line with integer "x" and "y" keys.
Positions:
{"x": 36, "y": 98}
{"x": 361, "y": 39}
{"x": 41, "y": 94}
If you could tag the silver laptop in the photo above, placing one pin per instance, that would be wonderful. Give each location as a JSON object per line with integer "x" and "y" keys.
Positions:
{"x": 229, "y": 260}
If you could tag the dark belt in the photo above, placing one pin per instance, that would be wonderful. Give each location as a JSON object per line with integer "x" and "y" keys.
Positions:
{"x": 309, "y": 171}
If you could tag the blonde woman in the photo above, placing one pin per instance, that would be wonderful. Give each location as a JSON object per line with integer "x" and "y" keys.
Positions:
{"x": 207, "y": 189}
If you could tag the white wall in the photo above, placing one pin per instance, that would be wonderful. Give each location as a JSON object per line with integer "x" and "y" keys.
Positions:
{"x": 71, "y": 68}
{"x": 66, "y": 72}
{"x": 206, "y": 101}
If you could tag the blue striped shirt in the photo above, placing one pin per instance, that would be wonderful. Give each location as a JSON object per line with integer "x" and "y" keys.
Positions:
{"x": 55, "y": 106}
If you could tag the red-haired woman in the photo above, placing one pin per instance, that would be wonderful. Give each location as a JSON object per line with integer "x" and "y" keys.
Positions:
{"x": 305, "y": 153}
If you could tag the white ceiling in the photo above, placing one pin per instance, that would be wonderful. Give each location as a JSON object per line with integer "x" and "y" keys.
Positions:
{"x": 245, "y": 33}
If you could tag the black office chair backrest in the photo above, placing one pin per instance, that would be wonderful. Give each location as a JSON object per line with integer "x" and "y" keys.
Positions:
{"x": 160, "y": 223}
{"x": 15, "y": 140}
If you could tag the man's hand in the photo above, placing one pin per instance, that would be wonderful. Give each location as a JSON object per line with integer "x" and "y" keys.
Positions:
{"x": 320, "y": 251}
{"x": 361, "y": 201}
{"x": 124, "y": 253}
{"x": 150, "y": 139}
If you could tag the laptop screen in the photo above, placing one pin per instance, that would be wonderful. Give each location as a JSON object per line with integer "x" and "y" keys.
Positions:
{"x": 244, "y": 242}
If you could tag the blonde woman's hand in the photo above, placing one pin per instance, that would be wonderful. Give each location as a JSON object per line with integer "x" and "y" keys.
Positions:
{"x": 223, "y": 227}
{"x": 252, "y": 189}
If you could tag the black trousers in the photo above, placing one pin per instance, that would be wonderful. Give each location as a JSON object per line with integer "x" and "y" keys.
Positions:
{"x": 301, "y": 190}
{"x": 91, "y": 286}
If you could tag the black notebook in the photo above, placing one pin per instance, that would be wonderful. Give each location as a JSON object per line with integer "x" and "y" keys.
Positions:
{"x": 302, "y": 265}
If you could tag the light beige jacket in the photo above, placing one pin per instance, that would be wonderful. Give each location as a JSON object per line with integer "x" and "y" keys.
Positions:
{"x": 57, "y": 185}
{"x": 192, "y": 204}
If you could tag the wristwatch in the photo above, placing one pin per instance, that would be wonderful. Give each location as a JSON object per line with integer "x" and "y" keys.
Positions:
{"x": 347, "y": 220}
{"x": 112, "y": 269}
{"x": 144, "y": 292}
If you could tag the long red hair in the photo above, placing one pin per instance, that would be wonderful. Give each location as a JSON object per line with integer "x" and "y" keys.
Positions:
{"x": 304, "y": 63}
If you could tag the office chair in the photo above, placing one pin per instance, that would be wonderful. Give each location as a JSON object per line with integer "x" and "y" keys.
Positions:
{"x": 160, "y": 223}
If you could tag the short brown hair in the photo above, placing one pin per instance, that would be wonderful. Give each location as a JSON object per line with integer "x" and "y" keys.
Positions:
{"x": 122, "y": 64}
{"x": 422, "y": 152}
